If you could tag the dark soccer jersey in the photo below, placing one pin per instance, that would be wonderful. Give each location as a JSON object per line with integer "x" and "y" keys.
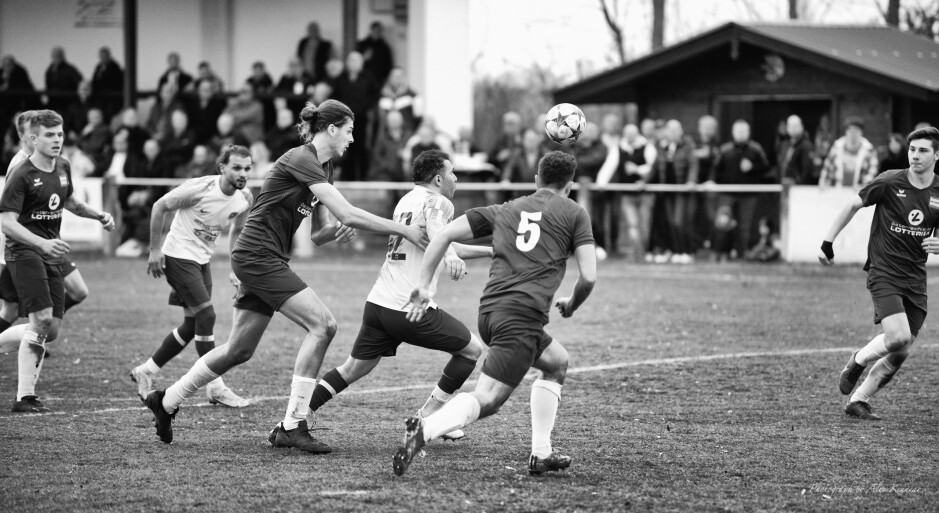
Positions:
{"x": 903, "y": 217}
{"x": 285, "y": 200}
{"x": 532, "y": 238}
{"x": 39, "y": 198}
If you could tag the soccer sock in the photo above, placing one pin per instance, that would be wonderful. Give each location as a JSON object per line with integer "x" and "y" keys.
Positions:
{"x": 69, "y": 302}
{"x": 197, "y": 377}
{"x": 11, "y": 337}
{"x": 149, "y": 366}
{"x": 175, "y": 342}
{"x": 457, "y": 370}
{"x": 29, "y": 363}
{"x": 437, "y": 399}
{"x": 460, "y": 411}
{"x": 880, "y": 374}
{"x": 876, "y": 348}
{"x": 301, "y": 391}
{"x": 545, "y": 397}
{"x": 204, "y": 344}
{"x": 329, "y": 386}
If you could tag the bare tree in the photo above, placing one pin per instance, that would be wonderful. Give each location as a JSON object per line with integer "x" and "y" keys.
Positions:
{"x": 923, "y": 20}
{"x": 793, "y": 9}
{"x": 615, "y": 28}
{"x": 892, "y": 13}
{"x": 658, "y": 24}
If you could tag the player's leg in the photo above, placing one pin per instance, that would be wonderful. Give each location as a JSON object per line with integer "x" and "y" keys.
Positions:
{"x": 336, "y": 380}
{"x": 9, "y": 312}
{"x": 545, "y": 398}
{"x": 173, "y": 344}
{"x": 890, "y": 312}
{"x": 76, "y": 290}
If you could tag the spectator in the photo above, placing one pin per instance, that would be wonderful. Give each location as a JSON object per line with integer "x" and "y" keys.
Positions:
{"x": 334, "y": 70}
{"x": 76, "y": 115}
{"x": 852, "y": 160}
{"x": 136, "y": 134}
{"x": 95, "y": 136}
{"x": 509, "y": 141}
{"x": 61, "y": 80}
{"x": 263, "y": 86}
{"x": 293, "y": 86}
{"x": 322, "y": 91}
{"x": 894, "y": 155}
{"x": 357, "y": 89}
{"x": 206, "y": 74}
{"x": 611, "y": 130}
{"x": 376, "y": 52}
{"x": 795, "y": 156}
{"x": 16, "y": 89}
{"x": 314, "y": 52}
{"x": 649, "y": 130}
{"x": 158, "y": 124}
{"x": 398, "y": 96}
{"x": 225, "y": 134}
{"x": 177, "y": 145}
{"x": 199, "y": 165}
{"x": 426, "y": 141}
{"x": 675, "y": 164}
{"x": 260, "y": 160}
{"x": 740, "y": 161}
{"x": 174, "y": 75}
{"x": 112, "y": 166}
{"x": 136, "y": 201}
{"x": 465, "y": 144}
{"x": 203, "y": 111}
{"x": 591, "y": 154}
{"x": 284, "y": 136}
{"x": 388, "y": 154}
{"x": 522, "y": 166}
{"x": 439, "y": 138}
{"x": 107, "y": 82}
{"x": 248, "y": 115}
{"x": 823, "y": 141}
{"x": 707, "y": 145}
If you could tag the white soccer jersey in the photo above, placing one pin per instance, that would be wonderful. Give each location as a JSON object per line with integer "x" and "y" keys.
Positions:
{"x": 205, "y": 211}
{"x": 17, "y": 160}
{"x": 402, "y": 268}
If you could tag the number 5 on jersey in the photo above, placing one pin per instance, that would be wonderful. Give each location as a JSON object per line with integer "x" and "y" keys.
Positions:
{"x": 528, "y": 227}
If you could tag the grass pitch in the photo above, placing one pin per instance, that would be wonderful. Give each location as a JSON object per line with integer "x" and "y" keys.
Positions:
{"x": 705, "y": 388}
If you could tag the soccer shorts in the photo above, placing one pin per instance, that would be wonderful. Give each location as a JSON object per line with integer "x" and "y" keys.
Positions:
{"x": 891, "y": 298}
{"x": 39, "y": 286}
{"x": 515, "y": 344}
{"x": 67, "y": 267}
{"x": 267, "y": 282}
{"x": 191, "y": 282}
{"x": 384, "y": 329}
{"x": 7, "y": 288}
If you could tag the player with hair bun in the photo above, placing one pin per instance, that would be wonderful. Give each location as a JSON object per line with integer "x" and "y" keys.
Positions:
{"x": 298, "y": 186}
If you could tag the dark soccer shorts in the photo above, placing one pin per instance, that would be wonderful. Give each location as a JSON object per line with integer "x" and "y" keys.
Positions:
{"x": 38, "y": 285}
{"x": 67, "y": 267}
{"x": 515, "y": 344}
{"x": 191, "y": 282}
{"x": 384, "y": 329}
{"x": 892, "y": 298}
{"x": 8, "y": 288}
{"x": 267, "y": 282}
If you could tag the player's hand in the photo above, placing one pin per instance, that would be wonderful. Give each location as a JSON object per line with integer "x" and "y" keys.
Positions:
{"x": 420, "y": 299}
{"x": 564, "y": 307}
{"x": 826, "y": 255}
{"x": 455, "y": 267}
{"x": 54, "y": 247}
{"x": 107, "y": 220}
{"x": 345, "y": 233}
{"x": 417, "y": 236}
{"x": 931, "y": 245}
{"x": 156, "y": 263}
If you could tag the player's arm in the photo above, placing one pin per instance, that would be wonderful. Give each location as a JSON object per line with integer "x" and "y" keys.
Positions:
{"x": 13, "y": 229}
{"x": 82, "y": 209}
{"x": 238, "y": 224}
{"x": 420, "y": 297}
{"x": 586, "y": 257}
{"x": 467, "y": 252}
{"x": 180, "y": 197}
{"x": 325, "y": 229}
{"x": 826, "y": 254}
{"x": 349, "y": 215}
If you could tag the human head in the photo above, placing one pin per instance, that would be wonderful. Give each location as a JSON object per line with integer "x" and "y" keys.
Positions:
{"x": 284, "y": 118}
{"x": 151, "y": 149}
{"x": 205, "y": 91}
{"x": 334, "y": 68}
{"x": 854, "y": 129}
{"x": 674, "y": 130}
{"x": 394, "y": 120}
{"x": 7, "y": 61}
{"x": 104, "y": 55}
{"x": 58, "y": 54}
{"x": 179, "y": 121}
{"x": 332, "y": 119}
{"x": 294, "y": 67}
{"x": 321, "y": 92}
{"x": 590, "y": 135}
{"x": 167, "y": 93}
{"x": 313, "y": 30}
{"x": 120, "y": 141}
{"x": 84, "y": 89}
{"x": 46, "y": 134}
{"x": 354, "y": 62}
{"x": 246, "y": 93}
{"x": 923, "y": 149}
{"x": 511, "y": 123}
{"x": 433, "y": 168}
{"x": 129, "y": 117}
{"x": 426, "y": 133}
{"x": 234, "y": 164}
{"x": 630, "y": 133}
{"x": 647, "y": 128}
{"x": 531, "y": 139}
{"x": 173, "y": 60}
{"x": 376, "y": 30}
{"x": 95, "y": 116}
{"x": 257, "y": 69}
{"x": 205, "y": 69}
{"x": 707, "y": 127}
{"x": 895, "y": 143}
{"x": 740, "y": 131}
{"x": 794, "y": 127}
{"x": 556, "y": 171}
{"x": 612, "y": 124}
{"x": 200, "y": 154}
{"x": 260, "y": 155}
{"x": 397, "y": 78}
{"x": 225, "y": 123}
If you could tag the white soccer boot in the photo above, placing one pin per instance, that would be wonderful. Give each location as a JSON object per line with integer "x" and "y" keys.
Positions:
{"x": 218, "y": 393}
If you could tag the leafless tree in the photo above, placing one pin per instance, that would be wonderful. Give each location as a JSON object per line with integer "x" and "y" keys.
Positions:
{"x": 658, "y": 24}
{"x": 612, "y": 21}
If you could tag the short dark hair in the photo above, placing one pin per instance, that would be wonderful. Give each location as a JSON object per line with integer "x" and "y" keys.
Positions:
{"x": 556, "y": 169}
{"x": 930, "y": 132}
{"x": 427, "y": 165}
{"x": 314, "y": 120}
{"x": 44, "y": 118}
{"x": 854, "y": 121}
{"x": 232, "y": 149}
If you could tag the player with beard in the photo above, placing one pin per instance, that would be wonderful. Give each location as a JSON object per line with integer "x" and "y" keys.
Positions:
{"x": 204, "y": 208}
{"x": 902, "y": 233}
{"x": 299, "y": 185}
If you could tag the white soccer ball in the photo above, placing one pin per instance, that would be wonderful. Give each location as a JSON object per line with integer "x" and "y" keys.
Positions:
{"x": 564, "y": 123}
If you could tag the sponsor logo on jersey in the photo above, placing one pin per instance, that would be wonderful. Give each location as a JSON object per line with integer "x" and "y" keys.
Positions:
{"x": 933, "y": 202}
{"x": 63, "y": 180}
{"x": 37, "y": 182}
{"x": 901, "y": 193}
{"x": 306, "y": 210}
{"x": 54, "y": 202}
{"x": 916, "y": 217}
{"x": 206, "y": 235}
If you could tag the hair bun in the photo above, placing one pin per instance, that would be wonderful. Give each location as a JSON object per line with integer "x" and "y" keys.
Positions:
{"x": 309, "y": 113}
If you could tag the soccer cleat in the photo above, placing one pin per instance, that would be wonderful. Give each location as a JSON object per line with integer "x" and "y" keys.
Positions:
{"x": 220, "y": 394}
{"x": 453, "y": 436}
{"x": 860, "y": 410}
{"x": 298, "y": 437}
{"x": 553, "y": 463}
{"x": 850, "y": 374}
{"x": 162, "y": 420}
{"x": 413, "y": 442}
{"x": 144, "y": 382}
{"x": 29, "y": 404}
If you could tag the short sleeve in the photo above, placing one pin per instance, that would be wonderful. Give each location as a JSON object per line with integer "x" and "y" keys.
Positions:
{"x": 872, "y": 193}
{"x": 68, "y": 174}
{"x": 482, "y": 220}
{"x": 583, "y": 233}
{"x": 187, "y": 195}
{"x": 438, "y": 207}
{"x": 14, "y": 193}
{"x": 304, "y": 167}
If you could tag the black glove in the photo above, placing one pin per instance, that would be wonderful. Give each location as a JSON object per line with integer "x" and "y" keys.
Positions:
{"x": 827, "y": 249}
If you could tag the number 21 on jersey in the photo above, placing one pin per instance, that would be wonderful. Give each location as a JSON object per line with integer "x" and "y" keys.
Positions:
{"x": 528, "y": 231}
{"x": 394, "y": 241}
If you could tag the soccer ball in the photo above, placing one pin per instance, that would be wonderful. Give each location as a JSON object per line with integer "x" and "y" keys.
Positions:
{"x": 564, "y": 123}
